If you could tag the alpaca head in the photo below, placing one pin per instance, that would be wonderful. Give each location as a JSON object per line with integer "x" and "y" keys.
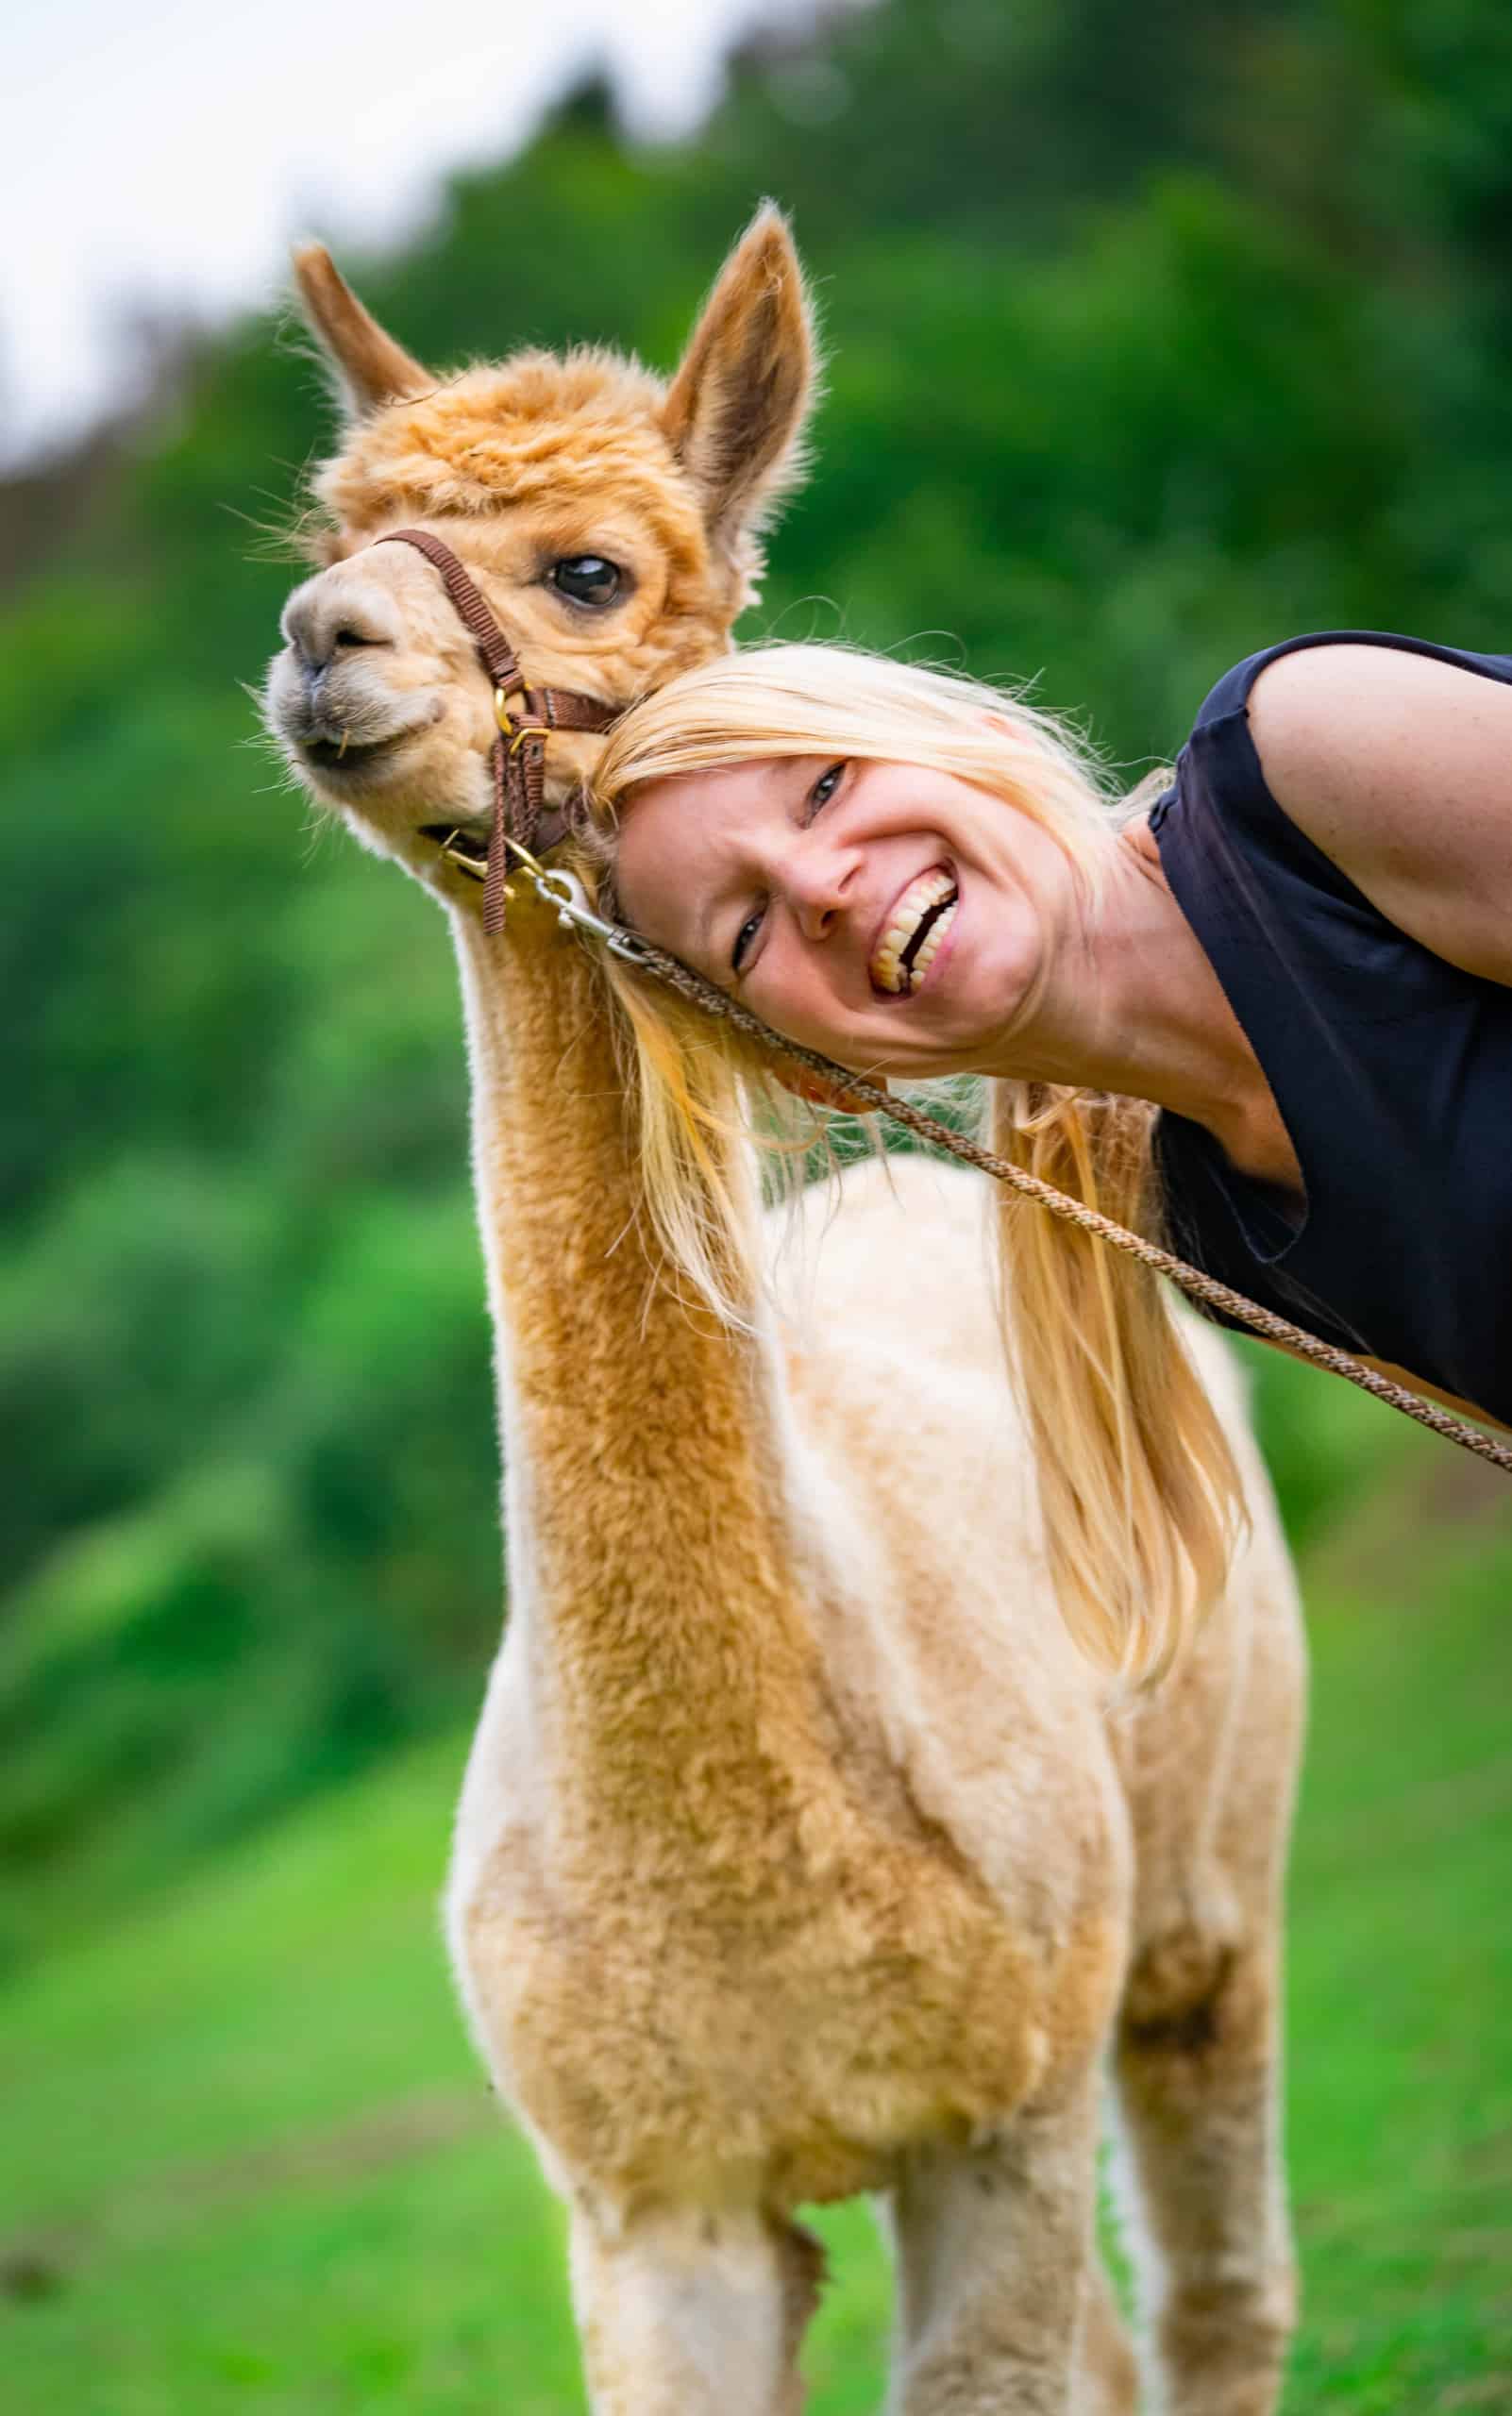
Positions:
{"x": 611, "y": 519}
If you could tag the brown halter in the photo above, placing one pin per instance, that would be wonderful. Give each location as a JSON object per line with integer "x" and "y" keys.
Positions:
{"x": 526, "y": 716}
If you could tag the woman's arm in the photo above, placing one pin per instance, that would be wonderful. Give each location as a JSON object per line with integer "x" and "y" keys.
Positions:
{"x": 1398, "y": 768}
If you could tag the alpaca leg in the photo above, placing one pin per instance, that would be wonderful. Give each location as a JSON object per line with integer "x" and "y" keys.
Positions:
{"x": 1199, "y": 2091}
{"x": 1107, "y": 2372}
{"x": 994, "y": 2249}
{"x": 688, "y": 2313}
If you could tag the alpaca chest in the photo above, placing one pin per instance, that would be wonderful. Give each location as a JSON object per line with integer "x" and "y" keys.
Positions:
{"x": 807, "y": 2016}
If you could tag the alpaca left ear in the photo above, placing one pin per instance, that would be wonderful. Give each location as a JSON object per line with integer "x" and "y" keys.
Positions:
{"x": 370, "y": 368}
{"x": 820, "y": 1093}
{"x": 736, "y": 409}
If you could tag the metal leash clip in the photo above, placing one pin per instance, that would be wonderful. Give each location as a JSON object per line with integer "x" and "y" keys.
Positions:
{"x": 566, "y": 892}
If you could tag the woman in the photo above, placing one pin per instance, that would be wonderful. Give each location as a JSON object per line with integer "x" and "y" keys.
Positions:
{"x": 1270, "y": 1010}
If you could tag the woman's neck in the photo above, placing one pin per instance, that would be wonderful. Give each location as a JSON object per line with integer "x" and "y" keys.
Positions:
{"x": 1129, "y": 1003}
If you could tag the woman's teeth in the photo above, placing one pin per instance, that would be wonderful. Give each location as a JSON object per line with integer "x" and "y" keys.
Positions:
{"x": 916, "y": 928}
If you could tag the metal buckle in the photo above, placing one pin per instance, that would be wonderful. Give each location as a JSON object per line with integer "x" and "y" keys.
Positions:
{"x": 515, "y": 732}
{"x": 469, "y": 865}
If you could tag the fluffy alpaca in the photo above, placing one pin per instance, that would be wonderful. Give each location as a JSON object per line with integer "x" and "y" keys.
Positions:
{"x": 798, "y": 1854}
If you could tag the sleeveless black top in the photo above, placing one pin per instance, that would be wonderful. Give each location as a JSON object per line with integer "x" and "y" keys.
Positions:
{"x": 1392, "y": 1069}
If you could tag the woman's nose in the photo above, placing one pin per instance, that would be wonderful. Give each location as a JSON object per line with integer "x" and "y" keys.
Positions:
{"x": 818, "y": 880}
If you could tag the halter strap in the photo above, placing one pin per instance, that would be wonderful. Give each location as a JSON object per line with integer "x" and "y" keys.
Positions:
{"x": 526, "y": 717}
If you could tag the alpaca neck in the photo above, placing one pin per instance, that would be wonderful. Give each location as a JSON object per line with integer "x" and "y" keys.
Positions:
{"x": 648, "y": 1537}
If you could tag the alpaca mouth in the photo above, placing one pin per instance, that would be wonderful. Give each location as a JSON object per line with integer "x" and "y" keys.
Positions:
{"x": 347, "y": 754}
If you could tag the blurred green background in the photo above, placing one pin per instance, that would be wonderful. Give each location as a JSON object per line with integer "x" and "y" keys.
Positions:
{"x": 1155, "y": 335}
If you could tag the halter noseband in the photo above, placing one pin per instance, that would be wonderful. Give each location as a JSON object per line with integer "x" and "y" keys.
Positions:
{"x": 526, "y": 717}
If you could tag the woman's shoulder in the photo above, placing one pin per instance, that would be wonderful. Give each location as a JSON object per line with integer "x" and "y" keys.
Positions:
{"x": 1325, "y": 662}
{"x": 1389, "y": 756}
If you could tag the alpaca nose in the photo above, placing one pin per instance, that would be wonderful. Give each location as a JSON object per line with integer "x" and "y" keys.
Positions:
{"x": 330, "y": 616}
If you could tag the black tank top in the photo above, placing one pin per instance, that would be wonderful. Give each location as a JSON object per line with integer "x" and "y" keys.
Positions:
{"x": 1392, "y": 1069}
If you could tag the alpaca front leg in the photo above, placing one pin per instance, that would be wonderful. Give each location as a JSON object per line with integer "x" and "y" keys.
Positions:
{"x": 685, "y": 2312}
{"x": 994, "y": 2270}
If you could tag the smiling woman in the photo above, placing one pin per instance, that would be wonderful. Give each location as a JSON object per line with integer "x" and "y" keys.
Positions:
{"x": 1269, "y": 1008}
{"x": 833, "y": 891}
{"x": 908, "y": 873}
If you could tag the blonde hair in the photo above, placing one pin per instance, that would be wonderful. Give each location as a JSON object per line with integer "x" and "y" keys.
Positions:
{"x": 1139, "y": 1493}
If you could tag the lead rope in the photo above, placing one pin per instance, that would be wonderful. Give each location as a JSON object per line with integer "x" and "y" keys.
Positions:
{"x": 518, "y": 778}
{"x": 874, "y": 1097}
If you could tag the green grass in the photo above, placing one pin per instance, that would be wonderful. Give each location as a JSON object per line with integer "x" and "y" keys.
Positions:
{"x": 249, "y": 2160}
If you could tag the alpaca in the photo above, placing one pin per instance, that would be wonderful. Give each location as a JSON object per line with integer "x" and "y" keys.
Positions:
{"x": 798, "y": 1853}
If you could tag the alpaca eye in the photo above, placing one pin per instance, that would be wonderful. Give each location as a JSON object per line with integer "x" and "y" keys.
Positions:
{"x": 586, "y": 578}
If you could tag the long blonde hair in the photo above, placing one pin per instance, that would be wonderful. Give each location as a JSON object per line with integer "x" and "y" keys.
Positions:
{"x": 1139, "y": 1494}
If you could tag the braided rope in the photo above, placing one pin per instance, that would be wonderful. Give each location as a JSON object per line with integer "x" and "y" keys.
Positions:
{"x": 518, "y": 777}
{"x": 711, "y": 1000}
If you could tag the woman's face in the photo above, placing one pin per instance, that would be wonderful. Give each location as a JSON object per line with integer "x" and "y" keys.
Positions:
{"x": 896, "y": 919}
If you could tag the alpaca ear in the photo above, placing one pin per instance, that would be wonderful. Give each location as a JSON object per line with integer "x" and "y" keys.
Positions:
{"x": 370, "y": 367}
{"x": 736, "y": 408}
{"x": 817, "y": 1092}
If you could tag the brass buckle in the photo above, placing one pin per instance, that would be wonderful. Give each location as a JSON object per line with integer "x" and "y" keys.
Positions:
{"x": 516, "y": 733}
{"x": 469, "y": 865}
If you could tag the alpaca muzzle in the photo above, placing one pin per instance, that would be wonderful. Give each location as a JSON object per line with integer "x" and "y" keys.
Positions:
{"x": 527, "y": 718}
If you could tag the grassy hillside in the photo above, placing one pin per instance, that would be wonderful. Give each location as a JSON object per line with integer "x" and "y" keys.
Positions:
{"x": 250, "y": 2161}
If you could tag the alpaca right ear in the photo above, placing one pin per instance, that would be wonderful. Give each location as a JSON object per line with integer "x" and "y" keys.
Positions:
{"x": 370, "y": 367}
{"x": 736, "y": 408}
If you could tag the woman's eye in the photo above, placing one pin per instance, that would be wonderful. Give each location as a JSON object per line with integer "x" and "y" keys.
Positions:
{"x": 588, "y": 579}
{"x": 743, "y": 938}
{"x": 824, "y": 788}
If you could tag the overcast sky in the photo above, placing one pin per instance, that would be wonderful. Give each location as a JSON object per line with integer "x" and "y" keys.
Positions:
{"x": 163, "y": 153}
